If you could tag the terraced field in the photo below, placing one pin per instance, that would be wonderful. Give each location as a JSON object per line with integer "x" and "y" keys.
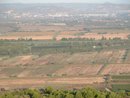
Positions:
{"x": 64, "y": 64}
{"x": 65, "y": 61}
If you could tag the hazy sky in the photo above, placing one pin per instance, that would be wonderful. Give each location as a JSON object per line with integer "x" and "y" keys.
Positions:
{"x": 64, "y": 1}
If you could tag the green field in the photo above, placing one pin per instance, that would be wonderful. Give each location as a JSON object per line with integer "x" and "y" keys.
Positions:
{"x": 118, "y": 87}
{"x": 14, "y": 48}
{"x": 121, "y": 77}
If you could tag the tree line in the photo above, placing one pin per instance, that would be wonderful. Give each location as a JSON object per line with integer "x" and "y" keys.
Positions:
{"x": 54, "y": 93}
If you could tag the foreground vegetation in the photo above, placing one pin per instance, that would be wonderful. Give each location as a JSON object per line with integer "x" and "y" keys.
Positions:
{"x": 53, "y": 93}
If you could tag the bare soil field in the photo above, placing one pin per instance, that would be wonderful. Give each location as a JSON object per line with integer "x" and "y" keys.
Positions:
{"x": 110, "y": 56}
{"x": 73, "y": 32}
{"x": 74, "y": 70}
{"x": 116, "y": 69}
{"x": 26, "y": 37}
{"x": 15, "y": 61}
{"x": 95, "y": 36}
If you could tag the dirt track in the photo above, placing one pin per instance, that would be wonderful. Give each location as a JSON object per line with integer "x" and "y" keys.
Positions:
{"x": 43, "y": 81}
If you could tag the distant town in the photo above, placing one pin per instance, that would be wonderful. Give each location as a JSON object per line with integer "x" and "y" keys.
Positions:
{"x": 90, "y": 15}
